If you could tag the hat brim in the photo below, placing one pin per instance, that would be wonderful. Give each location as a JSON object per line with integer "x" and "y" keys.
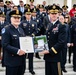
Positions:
{"x": 28, "y": 13}
{"x": 15, "y": 15}
{"x": 54, "y": 11}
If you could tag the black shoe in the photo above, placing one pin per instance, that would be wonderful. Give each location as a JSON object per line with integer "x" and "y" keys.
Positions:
{"x": 32, "y": 72}
{"x": 64, "y": 70}
{"x": 38, "y": 57}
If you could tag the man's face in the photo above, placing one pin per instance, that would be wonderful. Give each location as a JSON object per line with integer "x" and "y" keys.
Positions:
{"x": 28, "y": 16}
{"x": 2, "y": 4}
{"x": 31, "y": 3}
{"x": 44, "y": 3}
{"x": 3, "y": 18}
{"x": 15, "y": 21}
{"x": 41, "y": 9}
{"x": 15, "y": 8}
{"x": 8, "y": 5}
{"x": 64, "y": 10}
{"x": 33, "y": 14}
{"x": 53, "y": 16}
{"x": 22, "y": 4}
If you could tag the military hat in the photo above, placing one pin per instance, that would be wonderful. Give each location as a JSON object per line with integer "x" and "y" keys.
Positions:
{"x": 65, "y": 7}
{"x": 1, "y": 0}
{"x": 47, "y": 7}
{"x": 74, "y": 6}
{"x": 60, "y": 10}
{"x": 41, "y": 6}
{"x": 54, "y": 8}
{"x": 27, "y": 6}
{"x": 27, "y": 11}
{"x": 34, "y": 10}
{"x": 31, "y": 0}
{"x": 15, "y": 13}
{"x": 7, "y": 2}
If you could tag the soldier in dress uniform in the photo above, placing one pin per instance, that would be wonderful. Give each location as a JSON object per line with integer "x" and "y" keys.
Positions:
{"x": 14, "y": 57}
{"x": 56, "y": 39}
{"x": 30, "y": 28}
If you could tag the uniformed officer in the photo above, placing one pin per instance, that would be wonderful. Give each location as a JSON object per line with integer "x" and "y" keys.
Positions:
{"x": 55, "y": 35}
{"x": 7, "y": 6}
{"x": 73, "y": 41}
{"x": 41, "y": 15}
{"x": 30, "y": 28}
{"x": 3, "y": 24}
{"x": 39, "y": 25}
{"x": 14, "y": 57}
{"x": 65, "y": 11}
{"x": 32, "y": 4}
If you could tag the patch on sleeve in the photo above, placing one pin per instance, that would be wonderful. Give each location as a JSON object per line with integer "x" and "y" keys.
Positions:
{"x": 3, "y": 30}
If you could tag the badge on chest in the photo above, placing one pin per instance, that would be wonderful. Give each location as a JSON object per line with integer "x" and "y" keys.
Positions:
{"x": 24, "y": 24}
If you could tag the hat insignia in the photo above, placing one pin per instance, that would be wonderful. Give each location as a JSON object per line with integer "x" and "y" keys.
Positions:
{"x": 17, "y": 11}
{"x": 54, "y": 7}
{"x": 41, "y": 6}
{"x": 28, "y": 10}
{"x": 34, "y": 9}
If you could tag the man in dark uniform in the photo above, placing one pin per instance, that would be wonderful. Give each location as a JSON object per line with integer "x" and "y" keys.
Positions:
{"x": 39, "y": 25}
{"x": 14, "y": 57}
{"x": 56, "y": 39}
{"x": 7, "y": 6}
{"x": 73, "y": 41}
{"x": 41, "y": 15}
{"x": 65, "y": 10}
{"x": 32, "y": 4}
{"x": 3, "y": 23}
{"x": 46, "y": 19}
{"x": 30, "y": 28}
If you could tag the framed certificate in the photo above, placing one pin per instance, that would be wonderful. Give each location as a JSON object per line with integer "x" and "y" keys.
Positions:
{"x": 26, "y": 44}
{"x": 40, "y": 43}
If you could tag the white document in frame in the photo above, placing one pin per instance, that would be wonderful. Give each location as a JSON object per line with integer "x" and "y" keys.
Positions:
{"x": 41, "y": 43}
{"x": 26, "y": 44}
